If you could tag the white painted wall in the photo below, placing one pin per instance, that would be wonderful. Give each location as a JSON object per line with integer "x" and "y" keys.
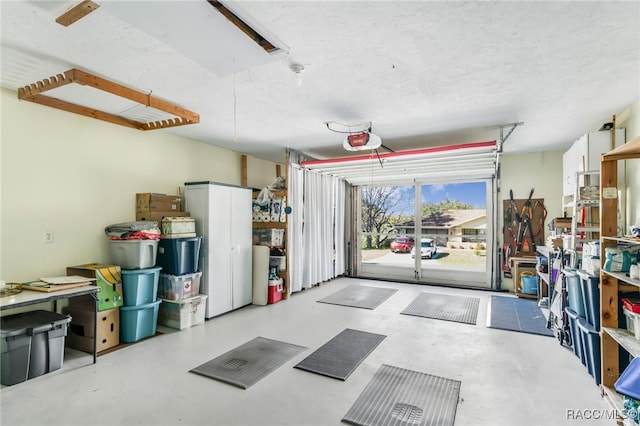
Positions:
{"x": 73, "y": 175}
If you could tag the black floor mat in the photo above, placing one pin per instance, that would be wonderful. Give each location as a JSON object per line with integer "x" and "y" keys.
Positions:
{"x": 396, "y": 396}
{"x": 444, "y": 307}
{"x": 249, "y": 362}
{"x": 359, "y": 296}
{"x": 515, "y": 314}
{"x": 341, "y": 355}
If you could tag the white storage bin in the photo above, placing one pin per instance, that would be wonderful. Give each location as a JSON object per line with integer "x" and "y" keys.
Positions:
{"x": 633, "y": 322}
{"x": 134, "y": 254}
{"x": 279, "y": 261}
{"x": 184, "y": 313}
{"x": 179, "y": 287}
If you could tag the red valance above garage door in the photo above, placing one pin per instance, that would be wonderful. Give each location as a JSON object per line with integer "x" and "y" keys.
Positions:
{"x": 469, "y": 161}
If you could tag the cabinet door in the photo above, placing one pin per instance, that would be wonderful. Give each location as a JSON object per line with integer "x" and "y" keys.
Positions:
{"x": 241, "y": 238}
{"x": 220, "y": 252}
{"x": 599, "y": 143}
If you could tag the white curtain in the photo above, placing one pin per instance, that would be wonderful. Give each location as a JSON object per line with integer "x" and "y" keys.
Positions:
{"x": 339, "y": 194}
{"x": 295, "y": 246}
{"x": 316, "y": 244}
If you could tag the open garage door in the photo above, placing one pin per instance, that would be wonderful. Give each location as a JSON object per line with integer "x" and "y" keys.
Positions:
{"x": 423, "y": 216}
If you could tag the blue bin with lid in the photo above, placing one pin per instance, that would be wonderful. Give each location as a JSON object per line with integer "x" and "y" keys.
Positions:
{"x": 140, "y": 286}
{"x": 590, "y": 298}
{"x": 574, "y": 291}
{"x": 138, "y": 322}
{"x": 591, "y": 348}
{"x": 576, "y": 335}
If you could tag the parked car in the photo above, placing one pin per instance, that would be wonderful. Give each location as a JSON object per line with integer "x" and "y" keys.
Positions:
{"x": 402, "y": 244}
{"x": 427, "y": 248}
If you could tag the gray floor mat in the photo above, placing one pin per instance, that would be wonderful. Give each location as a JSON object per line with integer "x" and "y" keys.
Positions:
{"x": 249, "y": 362}
{"x": 444, "y": 307}
{"x": 514, "y": 314}
{"x": 359, "y": 296}
{"x": 396, "y": 396}
{"x": 341, "y": 355}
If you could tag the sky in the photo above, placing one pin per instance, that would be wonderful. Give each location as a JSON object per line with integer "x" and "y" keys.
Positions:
{"x": 473, "y": 193}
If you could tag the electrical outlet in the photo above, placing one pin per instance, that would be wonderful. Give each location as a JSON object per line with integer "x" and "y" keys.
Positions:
{"x": 48, "y": 236}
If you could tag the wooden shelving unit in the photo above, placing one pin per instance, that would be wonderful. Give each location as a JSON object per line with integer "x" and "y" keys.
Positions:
{"x": 613, "y": 338}
{"x": 284, "y": 274}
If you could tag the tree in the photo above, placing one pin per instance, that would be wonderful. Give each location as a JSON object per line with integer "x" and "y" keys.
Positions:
{"x": 437, "y": 208}
{"x": 378, "y": 204}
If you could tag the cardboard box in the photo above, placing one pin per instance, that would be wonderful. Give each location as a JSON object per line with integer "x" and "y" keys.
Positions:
{"x": 562, "y": 222}
{"x": 158, "y": 216}
{"x": 152, "y": 202}
{"x": 179, "y": 226}
{"x": 80, "y": 334}
{"x": 108, "y": 278}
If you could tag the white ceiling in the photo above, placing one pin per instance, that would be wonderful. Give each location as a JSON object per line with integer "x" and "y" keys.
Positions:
{"x": 425, "y": 73}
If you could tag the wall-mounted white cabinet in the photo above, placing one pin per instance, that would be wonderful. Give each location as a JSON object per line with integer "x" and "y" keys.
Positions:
{"x": 223, "y": 219}
{"x": 584, "y": 155}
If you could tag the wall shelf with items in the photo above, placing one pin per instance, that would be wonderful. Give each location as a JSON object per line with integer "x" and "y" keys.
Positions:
{"x": 270, "y": 229}
{"x": 613, "y": 339}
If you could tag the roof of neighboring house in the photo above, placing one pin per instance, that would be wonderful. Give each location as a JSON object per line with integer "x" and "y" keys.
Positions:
{"x": 447, "y": 219}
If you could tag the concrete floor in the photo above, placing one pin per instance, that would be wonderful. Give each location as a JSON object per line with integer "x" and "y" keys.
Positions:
{"x": 507, "y": 378}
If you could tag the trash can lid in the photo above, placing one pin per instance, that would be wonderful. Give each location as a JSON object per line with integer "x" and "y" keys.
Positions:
{"x": 38, "y": 321}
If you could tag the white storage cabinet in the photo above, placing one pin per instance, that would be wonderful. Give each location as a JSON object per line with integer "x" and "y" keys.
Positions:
{"x": 584, "y": 155}
{"x": 223, "y": 220}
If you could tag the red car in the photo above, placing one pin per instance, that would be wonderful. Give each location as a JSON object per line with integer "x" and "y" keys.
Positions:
{"x": 402, "y": 244}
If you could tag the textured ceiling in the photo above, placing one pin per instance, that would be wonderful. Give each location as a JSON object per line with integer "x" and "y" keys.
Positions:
{"x": 424, "y": 73}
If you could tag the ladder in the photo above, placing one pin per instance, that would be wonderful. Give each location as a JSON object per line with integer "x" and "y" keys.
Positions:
{"x": 585, "y": 222}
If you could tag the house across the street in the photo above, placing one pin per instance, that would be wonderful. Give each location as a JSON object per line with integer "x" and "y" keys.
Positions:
{"x": 450, "y": 226}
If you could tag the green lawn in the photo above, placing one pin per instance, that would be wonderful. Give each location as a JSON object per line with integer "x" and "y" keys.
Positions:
{"x": 448, "y": 257}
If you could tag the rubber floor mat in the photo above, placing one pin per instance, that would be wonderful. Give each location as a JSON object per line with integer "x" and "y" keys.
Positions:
{"x": 396, "y": 396}
{"x": 444, "y": 307}
{"x": 341, "y": 355}
{"x": 359, "y": 296}
{"x": 250, "y": 362}
{"x": 515, "y": 314}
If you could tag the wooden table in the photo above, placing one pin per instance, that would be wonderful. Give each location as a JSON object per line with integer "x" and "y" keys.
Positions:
{"x": 30, "y": 297}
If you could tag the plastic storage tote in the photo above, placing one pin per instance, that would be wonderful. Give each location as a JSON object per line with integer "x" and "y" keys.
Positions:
{"x": 138, "y": 322}
{"x": 590, "y": 298}
{"x": 32, "y": 344}
{"x": 530, "y": 285}
{"x": 633, "y": 322}
{"x": 591, "y": 348}
{"x": 134, "y": 254}
{"x": 574, "y": 290}
{"x": 178, "y": 287}
{"x": 179, "y": 256}
{"x": 576, "y": 335}
{"x": 140, "y": 286}
{"x": 184, "y": 313}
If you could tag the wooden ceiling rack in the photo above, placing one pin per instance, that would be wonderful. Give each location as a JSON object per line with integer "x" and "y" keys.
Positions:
{"x": 33, "y": 93}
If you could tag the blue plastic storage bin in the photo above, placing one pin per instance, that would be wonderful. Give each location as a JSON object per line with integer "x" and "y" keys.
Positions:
{"x": 591, "y": 348}
{"x": 138, "y": 322}
{"x": 590, "y": 298}
{"x": 140, "y": 286}
{"x": 629, "y": 381}
{"x": 530, "y": 284}
{"x": 576, "y": 335}
{"x": 178, "y": 256}
{"x": 574, "y": 292}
